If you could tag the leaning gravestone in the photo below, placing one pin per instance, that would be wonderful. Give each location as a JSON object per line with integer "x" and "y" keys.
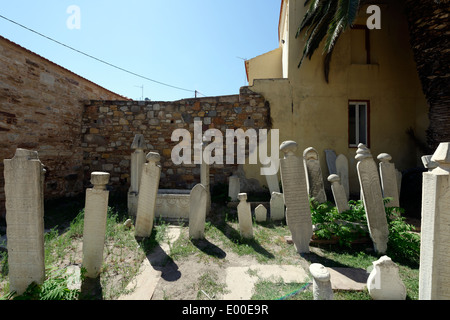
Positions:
{"x": 340, "y": 198}
{"x": 24, "y": 193}
{"x": 434, "y": 279}
{"x": 260, "y": 213}
{"x": 148, "y": 191}
{"x": 137, "y": 163}
{"x": 389, "y": 181}
{"x": 245, "y": 217}
{"x": 197, "y": 214}
{"x": 342, "y": 172}
{"x": 298, "y": 211}
{"x": 276, "y": 206}
{"x": 94, "y": 231}
{"x": 314, "y": 175}
{"x": 330, "y": 156}
{"x": 372, "y": 198}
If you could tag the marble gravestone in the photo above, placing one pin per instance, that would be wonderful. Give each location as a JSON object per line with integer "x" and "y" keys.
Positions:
{"x": 342, "y": 172}
{"x": 389, "y": 183}
{"x": 94, "y": 230}
{"x": 137, "y": 163}
{"x": 260, "y": 213}
{"x": 148, "y": 191}
{"x": 384, "y": 282}
{"x": 24, "y": 194}
{"x": 245, "y": 217}
{"x": 434, "y": 272}
{"x": 276, "y": 206}
{"x": 322, "y": 289}
{"x": 198, "y": 209}
{"x": 298, "y": 211}
{"x": 340, "y": 198}
{"x": 372, "y": 198}
{"x": 316, "y": 188}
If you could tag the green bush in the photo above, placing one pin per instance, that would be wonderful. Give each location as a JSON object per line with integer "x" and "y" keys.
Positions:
{"x": 403, "y": 244}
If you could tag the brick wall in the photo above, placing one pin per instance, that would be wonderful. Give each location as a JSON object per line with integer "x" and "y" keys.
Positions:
{"x": 41, "y": 106}
{"x": 109, "y": 128}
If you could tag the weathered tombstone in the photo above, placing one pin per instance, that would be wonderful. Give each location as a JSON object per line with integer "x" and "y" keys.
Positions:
{"x": 434, "y": 280}
{"x": 321, "y": 282}
{"x": 260, "y": 213}
{"x": 245, "y": 217}
{"x": 314, "y": 175}
{"x": 234, "y": 187}
{"x": 197, "y": 215}
{"x": 95, "y": 212}
{"x": 330, "y": 156}
{"x": 24, "y": 193}
{"x": 147, "y": 200}
{"x": 298, "y": 211}
{"x": 276, "y": 206}
{"x": 384, "y": 282}
{"x": 388, "y": 177}
{"x": 340, "y": 198}
{"x": 205, "y": 180}
{"x": 342, "y": 172}
{"x": 372, "y": 198}
{"x": 137, "y": 163}
{"x": 272, "y": 180}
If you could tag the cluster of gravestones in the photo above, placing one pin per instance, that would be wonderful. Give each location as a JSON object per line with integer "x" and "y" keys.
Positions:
{"x": 300, "y": 178}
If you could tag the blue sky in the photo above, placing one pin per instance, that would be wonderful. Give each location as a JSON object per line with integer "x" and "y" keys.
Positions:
{"x": 191, "y": 44}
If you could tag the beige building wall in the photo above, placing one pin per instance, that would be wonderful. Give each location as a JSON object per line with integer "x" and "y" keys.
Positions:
{"x": 265, "y": 66}
{"x": 315, "y": 114}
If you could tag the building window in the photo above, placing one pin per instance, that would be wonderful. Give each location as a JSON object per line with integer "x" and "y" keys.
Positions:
{"x": 358, "y": 123}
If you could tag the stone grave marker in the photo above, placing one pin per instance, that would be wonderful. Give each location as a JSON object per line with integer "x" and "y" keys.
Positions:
{"x": 273, "y": 182}
{"x": 137, "y": 163}
{"x": 434, "y": 274}
{"x": 148, "y": 191}
{"x": 388, "y": 177}
{"x": 205, "y": 180}
{"x": 298, "y": 212}
{"x": 384, "y": 282}
{"x": 372, "y": 198}
{"x": 322, "y": 289}
{"x": 342, "y": 172}
{"x": 340, "y": 198}
{"x": 260, "y": 213}
{"x": 234, "y": 187}
{"x": 314, "y": 175}
{"x": 197, "y": 215}
{"x": 276, "y": 206}
{"x": 94, "y": 231}
{"x": 24, "y": 194}
{"x": 245, "y": 217}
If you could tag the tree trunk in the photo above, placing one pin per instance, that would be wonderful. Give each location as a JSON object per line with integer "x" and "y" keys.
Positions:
{"x": 429, "y": 37}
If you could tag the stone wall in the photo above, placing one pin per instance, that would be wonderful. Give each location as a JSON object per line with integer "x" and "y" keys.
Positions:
{"x": 41, "y": 107}
{"x": 109, "y": 128}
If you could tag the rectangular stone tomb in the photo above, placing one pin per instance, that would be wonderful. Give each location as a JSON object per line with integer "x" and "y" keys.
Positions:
{"x": 173, "y": 204}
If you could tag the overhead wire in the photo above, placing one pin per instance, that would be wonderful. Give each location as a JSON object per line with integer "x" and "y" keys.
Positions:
{"x": 97, "y": 59}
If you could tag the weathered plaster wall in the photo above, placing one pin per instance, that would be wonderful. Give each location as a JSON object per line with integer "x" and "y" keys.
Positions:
{"x": 315, "y": 114}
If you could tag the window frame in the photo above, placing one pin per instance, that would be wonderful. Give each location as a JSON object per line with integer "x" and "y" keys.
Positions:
{"x": 357, "y": 103}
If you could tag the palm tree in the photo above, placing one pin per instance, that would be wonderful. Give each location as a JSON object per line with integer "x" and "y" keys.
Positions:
{"x": 429, "y": 39}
